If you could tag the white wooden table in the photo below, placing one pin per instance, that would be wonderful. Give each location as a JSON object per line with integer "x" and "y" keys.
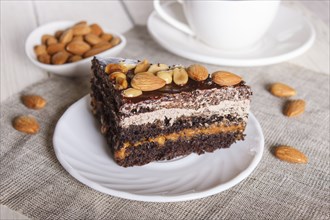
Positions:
{"x": 19, "y": 18}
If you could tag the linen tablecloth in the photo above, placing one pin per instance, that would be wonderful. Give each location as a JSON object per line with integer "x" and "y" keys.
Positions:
{"x": 34, "y": 183}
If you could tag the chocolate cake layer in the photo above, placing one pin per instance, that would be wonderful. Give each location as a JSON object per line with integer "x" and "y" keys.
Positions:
{"x": 187, "y": 134}
{"x": 151, "y": 128}
{"x": 136, "y": 132}
{"x": 152, "y": 151}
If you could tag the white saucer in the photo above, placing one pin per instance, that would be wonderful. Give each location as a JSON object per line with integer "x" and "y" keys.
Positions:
{"x": 83, "y": 152}
{"x": 289, "y": 36}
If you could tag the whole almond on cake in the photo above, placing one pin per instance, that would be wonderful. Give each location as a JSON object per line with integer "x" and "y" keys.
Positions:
{"x": 147, "y": 82}
{"x": 197, "y": 72}
{"x": 224, "y": 78}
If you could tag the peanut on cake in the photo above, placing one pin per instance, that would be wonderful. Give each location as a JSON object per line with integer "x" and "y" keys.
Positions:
{"x": 150, "y": 112}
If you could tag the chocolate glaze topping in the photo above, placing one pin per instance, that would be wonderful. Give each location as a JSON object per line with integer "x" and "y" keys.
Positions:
{"x": 168, "y": 89}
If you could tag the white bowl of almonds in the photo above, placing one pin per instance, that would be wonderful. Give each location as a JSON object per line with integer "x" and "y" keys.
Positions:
{"x": 66, "y": 47}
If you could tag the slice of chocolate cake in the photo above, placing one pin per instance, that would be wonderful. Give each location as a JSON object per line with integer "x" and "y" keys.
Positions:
{"x": 151, "y": 112}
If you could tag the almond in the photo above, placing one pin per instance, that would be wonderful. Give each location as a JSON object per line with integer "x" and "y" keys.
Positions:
{"x": 96, "y": 29}
{"x": 147, "y": 73}
{"x": 102, "y": 44}
{"x": 295, "y": 108}
{"x": 66, "y": 37}
{"x": 282, "y": 90}
{"x": 121, "y": 83}
{"x": 157, "y": 67}
{"x": 142, "y": 66}
{"x": 92, "y": 39}
{"x": 97, "y": 50}
{"x": 74, "y": 58}
{"x": 26, "y": 124}
{"x": 78, "y": 47}
{"x": 146, "y": 82}
{"x": 44, "y": 58}
{"x": 51, "y": 40}
{"x": 54, "y": 48}
{"x": 166, "y": 75}
{"x": 81, "y": 29}
{"x": 58, "y": 34}
{"x": 131, "y": 92}
{"x": 106, "y": 37}
{"x": 45, "y": 37}
{"x": 60, "y": 57}
{"x": 115, "y": 67}
{"x": 115, "y": 41}
{"x": 40, "y": 49}
{"x": 290, "y": 154}
{"x": 223, "y": 78}
{"x": 197, "y": 72}
{"x": 180, "y": 76}
{"x": 33, "y": 101}
{"x": 81, "y": 23}
{"x": 78, "y": 38}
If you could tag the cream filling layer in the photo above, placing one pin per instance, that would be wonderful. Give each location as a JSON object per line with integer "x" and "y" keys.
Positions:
{"x": 239, "y": 108}
{"x": 199, "y": 98}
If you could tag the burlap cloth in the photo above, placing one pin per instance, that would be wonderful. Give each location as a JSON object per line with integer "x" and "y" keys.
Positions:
{"x": 35, "y": 184}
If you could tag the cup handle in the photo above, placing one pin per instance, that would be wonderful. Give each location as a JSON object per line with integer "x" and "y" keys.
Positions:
{"x": 172, "y": 21}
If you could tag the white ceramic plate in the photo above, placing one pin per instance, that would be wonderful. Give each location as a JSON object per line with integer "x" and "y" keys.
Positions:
{"x": 83, "y": 152}
{"x": 79, "y": 68}
{"x": 289, "y": 36}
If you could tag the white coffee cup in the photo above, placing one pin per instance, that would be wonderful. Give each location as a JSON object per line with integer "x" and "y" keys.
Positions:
{"x": 229, "y": 25}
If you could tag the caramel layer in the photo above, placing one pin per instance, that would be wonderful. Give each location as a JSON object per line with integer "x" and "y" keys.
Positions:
{"x": 187, "y": 133}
